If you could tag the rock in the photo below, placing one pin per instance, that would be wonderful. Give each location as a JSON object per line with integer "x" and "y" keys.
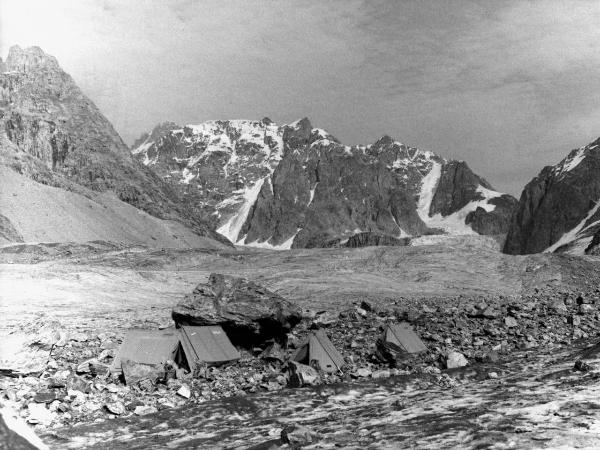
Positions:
{"x": 84, "y": 367}
{"x": 381, "y": 374}
{"x": 297, "y": 435}
{"x": 363, "y": 372}
{"x": 184, "y": 391}
{"x": 134, "y": 372}
{"x": 302, "y": 375}
{"x": 274, "y": 352}
{"x": 510, "y": 322}
{"x": 45, "y": 396}
{"x": 557, "y": 306}
{"x": 492, "y": 375}
{"x": 582, "y": 366}
{"x": 455, "y": 360}
{"x": 324, "y": 319}
{"x": 574, "y": 320}
{"x": 586, "y": 309}
{"x": 116, "y": 408}
{"x": 250, "y": 314}
{"x": 555, "y": 202}
{"x": 144, "y": 410}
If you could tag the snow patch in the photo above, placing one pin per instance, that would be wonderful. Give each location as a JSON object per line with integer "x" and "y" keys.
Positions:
{"x": 312, "y": 194}
{"x": 428, "y": 187}
{"x": 286, "y": 245}
{"x": 571, "y": 235}
{"x": 231, "y": 229}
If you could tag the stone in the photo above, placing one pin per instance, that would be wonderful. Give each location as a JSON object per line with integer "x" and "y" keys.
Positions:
{"x": 143, "y": 410}
{"x": 274, "y": 352}
{"x": 557, "y": 306}
{"x": 381, "y": 374}
{"x": 492, "y": 375}
{"x": 455, "y": 360}
{"x": 184, "y": 391}
{"x": 586, "y": 308}
{"x": 116, "y": 408}
{"x": 297, "y": 435}
{"x": 363, "y": 372}
{"x": 45, "y": 396}
{"x": 249, "y": 313}
{"x": 134, "y": 372}
{"x": 302, "y": 375}
{"x": 582, "y": 366}
{"x": 510, "y": 322}
{"x": 574, "y": 320}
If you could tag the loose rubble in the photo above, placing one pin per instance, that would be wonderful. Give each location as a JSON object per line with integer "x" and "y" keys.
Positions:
{"x": 74, "y": 385}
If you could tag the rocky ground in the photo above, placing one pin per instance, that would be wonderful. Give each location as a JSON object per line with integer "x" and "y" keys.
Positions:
{"x": 555, "y": 306}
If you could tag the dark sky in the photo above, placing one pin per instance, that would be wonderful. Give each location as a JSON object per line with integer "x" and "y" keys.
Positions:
{"x": 508, "y": 86}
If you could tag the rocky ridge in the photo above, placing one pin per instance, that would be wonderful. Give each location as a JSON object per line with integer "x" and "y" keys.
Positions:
{"x": 297, "y": 186}
{"x": 51, "y": 132}
{"x": 559, "y": 209}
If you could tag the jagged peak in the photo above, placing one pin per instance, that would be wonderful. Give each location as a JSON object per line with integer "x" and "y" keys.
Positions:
{"x": 299, "y": 124}
{"x": 25, "y": 60}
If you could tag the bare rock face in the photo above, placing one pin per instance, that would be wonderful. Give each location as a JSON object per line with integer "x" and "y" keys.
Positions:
{"x": 558, "y": 210}
{"x": 51, "y": 132}
{"x": 249, "y": 313}
{"x": 296, "y": 186}
{"x": 375, "y": 239}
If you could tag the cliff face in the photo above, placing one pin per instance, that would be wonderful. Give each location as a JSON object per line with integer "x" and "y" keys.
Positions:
{"x": 51, "y": 132}
{"x": 298, "y": 186}
{"x": 558, "y": 209}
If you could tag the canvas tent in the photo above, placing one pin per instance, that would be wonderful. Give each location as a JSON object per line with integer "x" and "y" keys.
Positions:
{"x": 149, "y": 347}
{"x": 187, "y": 346}
{"x": 204, "y": 345}
{"x": 318, "y": 350}
{"x": 402, "y": 337}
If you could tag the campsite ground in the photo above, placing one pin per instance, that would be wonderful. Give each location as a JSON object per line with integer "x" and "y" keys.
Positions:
{"x": 104, "y": 289}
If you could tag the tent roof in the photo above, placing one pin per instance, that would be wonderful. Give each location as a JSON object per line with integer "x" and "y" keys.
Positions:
{"x": 321, "y": 349}
{"x": 206, "y": 344}
{"x": 146, "y": 347}
{"x": 404, "y": 336}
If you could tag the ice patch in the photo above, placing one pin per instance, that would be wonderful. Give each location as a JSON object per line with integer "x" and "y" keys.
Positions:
{"x": 286, "y": 245}
{"x": 428, "y": 186}
{"x": 16, "y": 424}
{"x": 231, "y": 229}
{"x": 142, "y": 148}
{"x": 312, "y": 194}
{"x": 571, "y": 235}
{"x": 453, "y": 223}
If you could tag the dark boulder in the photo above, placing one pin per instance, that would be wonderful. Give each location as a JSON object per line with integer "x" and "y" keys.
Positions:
{"x": 249, "y": 313}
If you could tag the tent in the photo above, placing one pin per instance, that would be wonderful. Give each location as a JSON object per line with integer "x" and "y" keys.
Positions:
{"x": 148, "y": 347}
{"x": 402, "y": 338}
{"x": 209, "y": 345}
{"x": 318, "y": 350}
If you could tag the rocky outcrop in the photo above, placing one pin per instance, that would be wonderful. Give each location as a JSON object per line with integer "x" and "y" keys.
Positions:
{"x": 249, "y": 313}
{"x": 375, "y": 239}
{"x": 558, "y": 209}
{"x": 51, "y": 132}
{"x": 297, "y": 186}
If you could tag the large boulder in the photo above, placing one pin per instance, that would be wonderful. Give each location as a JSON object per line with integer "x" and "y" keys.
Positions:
{"x": 249, "y": 313}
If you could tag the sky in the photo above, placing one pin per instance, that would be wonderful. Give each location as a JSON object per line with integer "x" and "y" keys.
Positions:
{"x": 508, "y": 86}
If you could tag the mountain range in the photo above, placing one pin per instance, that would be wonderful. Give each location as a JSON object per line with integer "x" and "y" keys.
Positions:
{"x": 297, "y": 186}
{"x": 68, "y": 176}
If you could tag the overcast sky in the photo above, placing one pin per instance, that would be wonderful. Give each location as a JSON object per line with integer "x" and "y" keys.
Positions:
{"x": 508, "y": 86}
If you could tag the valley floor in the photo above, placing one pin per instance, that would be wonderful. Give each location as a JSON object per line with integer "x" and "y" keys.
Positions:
{"x": 105, "y": 289}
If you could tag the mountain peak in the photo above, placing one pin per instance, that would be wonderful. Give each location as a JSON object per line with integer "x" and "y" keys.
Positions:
{"x": 25, "y": 60}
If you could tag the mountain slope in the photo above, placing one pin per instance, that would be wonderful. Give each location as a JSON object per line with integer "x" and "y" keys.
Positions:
{"x": 52, "y": 133}
{"x": 297, "y": 186}
{"x": 559, "y": 209}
